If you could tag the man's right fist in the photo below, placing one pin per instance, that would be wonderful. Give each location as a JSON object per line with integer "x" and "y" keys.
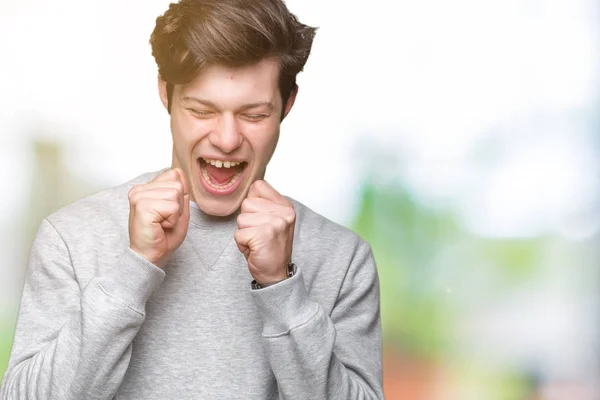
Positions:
{"x": 159, "y": 213}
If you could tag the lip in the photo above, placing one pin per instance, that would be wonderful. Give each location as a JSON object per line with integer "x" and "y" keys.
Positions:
{"x": 214, "y": 191}
{"x": 227, "y": 158}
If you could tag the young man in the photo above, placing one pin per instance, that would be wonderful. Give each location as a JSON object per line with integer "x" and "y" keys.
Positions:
{"x": 201, "y": 281}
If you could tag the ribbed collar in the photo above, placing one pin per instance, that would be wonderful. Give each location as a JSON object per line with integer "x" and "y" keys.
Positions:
{"x": 203, "y": 220}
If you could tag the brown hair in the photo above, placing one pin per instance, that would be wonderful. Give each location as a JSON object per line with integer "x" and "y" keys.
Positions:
{"x": 193, "y": 34}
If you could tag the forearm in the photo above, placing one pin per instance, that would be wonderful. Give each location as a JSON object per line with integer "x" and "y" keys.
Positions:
{"x": 306, "y": 365}
{"x": 306, "y": 352}
{"x": 89, "y": 355}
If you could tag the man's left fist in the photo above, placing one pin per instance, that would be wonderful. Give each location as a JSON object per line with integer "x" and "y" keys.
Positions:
{"x": 266, "y": 233}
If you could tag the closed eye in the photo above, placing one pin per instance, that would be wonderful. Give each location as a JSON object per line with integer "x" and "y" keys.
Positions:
{"x": 200, "y": 113}
{"x": 255, "y": 117}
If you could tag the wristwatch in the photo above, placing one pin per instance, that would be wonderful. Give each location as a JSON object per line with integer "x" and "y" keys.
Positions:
{"x": 291, "y": 271}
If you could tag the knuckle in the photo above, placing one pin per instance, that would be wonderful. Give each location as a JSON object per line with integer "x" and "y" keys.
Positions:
{"x": 245, "y": 204}
{"x": 133, "y": 191}
{"x": 173, "y": 207}
{"x": 280, "y": 224}
{"x": 173, "y": 194}
{"x": 168, "y": 173}
{"x": 136, "y": 201}
{"x": 258, "y": 184}
{"x": 141, "y": 204}
{"x": 271, "y": 230}
{"x": 290, "y": 216}
{"x": 178, "y": 186}
{"x": 242, "y": 219}
{"x": 175, "y": 184}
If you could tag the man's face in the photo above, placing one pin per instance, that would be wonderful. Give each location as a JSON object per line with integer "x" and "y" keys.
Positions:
{"x": 225, "y": 126}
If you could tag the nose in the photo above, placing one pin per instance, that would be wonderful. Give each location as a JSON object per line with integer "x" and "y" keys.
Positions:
{"x": 227, "y": 136}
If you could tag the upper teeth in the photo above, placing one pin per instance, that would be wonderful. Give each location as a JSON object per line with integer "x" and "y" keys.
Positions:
{"x": 220, "y": 163}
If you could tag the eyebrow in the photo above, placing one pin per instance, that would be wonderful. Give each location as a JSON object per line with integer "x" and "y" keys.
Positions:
{"x": 248, "y": 106}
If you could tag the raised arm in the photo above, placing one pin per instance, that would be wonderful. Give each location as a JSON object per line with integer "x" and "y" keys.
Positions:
{"x": 73, "y": 339}
{"x": 73, "y": 343}
{"x": 319, "y": 356}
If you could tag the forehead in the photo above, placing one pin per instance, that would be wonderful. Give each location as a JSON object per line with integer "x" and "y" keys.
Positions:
{"x": 234, "y": 85}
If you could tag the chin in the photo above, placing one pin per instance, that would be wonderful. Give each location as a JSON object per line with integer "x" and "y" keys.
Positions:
{"x": 218, "y": 208}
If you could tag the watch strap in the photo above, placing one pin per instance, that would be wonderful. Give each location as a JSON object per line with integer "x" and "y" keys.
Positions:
{"x": 291, "y": 271}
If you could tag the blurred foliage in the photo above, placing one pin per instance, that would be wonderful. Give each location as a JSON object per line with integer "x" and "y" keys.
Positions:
{"x": 424, "y": 253}
{"x": 405, "y": 239}
{"x": 59, "y": 187}
{"x": 516, "y": 259}
{"x": 476, "y": 381}
{"x": 6, "y": 336}
{"x": 433, "y": 272}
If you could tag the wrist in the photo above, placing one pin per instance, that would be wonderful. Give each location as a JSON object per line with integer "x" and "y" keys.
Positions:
{"x": 265, "y": 282}
{"x": 153, "y": 259}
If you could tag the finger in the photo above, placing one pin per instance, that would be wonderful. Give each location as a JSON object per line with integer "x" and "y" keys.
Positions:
{"x": 164, "y": 212}
{"x": 257, "y": 219}
{"x": 263, "y": 190}
{"x": 184, "y": 181}
{"x": 159, "y": 193}
{"x": 242, "y": 238}
{"x": 260, "y": 205}
{"x": 182, "y": 223}
{"x": 168, "y": 175}
{"x": 173, "y": 183}
{"x": 186, "y": 194}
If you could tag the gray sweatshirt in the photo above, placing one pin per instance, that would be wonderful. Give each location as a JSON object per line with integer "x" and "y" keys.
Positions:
{"x": 97, "y": 321}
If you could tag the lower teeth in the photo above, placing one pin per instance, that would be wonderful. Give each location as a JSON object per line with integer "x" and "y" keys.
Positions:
{"x": 218, "y": 186}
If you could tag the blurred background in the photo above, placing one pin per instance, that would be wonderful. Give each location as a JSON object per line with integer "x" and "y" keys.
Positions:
{"x": 461, "y": 139}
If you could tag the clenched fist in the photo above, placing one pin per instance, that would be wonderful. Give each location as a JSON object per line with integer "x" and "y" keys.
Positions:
{"x": 266, "y": 233}
{"x": 159, "y": 213}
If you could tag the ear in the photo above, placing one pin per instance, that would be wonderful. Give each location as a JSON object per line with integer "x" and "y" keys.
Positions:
{"x": 162, "y": 92}
{"x": 290, "y": 102}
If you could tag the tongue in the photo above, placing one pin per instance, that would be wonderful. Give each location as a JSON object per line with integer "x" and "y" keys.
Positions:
{"x": 220, "y": 175}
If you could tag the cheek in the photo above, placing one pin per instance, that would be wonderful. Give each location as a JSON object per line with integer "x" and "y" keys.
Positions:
{"x": 187, "y": 130}
{"x": 263, "y": 139}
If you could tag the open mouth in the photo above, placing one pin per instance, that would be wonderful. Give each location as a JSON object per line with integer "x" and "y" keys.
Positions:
{"x": 221, "y": 176}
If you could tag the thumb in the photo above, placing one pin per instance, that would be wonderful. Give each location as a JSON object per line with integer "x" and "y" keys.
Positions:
{"x": 184, "y": 181}
{"x": 185, "y": 215}
{"x": 184, "y": 219}
{"x": 243, "y": 238}
{"x": 244, "y": 250}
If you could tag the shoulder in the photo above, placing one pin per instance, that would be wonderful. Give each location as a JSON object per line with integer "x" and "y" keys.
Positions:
{"x": 89, "y": 233}
{"x": 312, "y": 225}
{"x": 331, "y": 256}
{"x": 107, "y": 206}
{"x": 315, "y": 228}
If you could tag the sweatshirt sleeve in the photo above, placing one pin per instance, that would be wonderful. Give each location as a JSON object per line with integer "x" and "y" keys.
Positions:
{"x": 73, "y": 343}
{"x": 319, "y": 356}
